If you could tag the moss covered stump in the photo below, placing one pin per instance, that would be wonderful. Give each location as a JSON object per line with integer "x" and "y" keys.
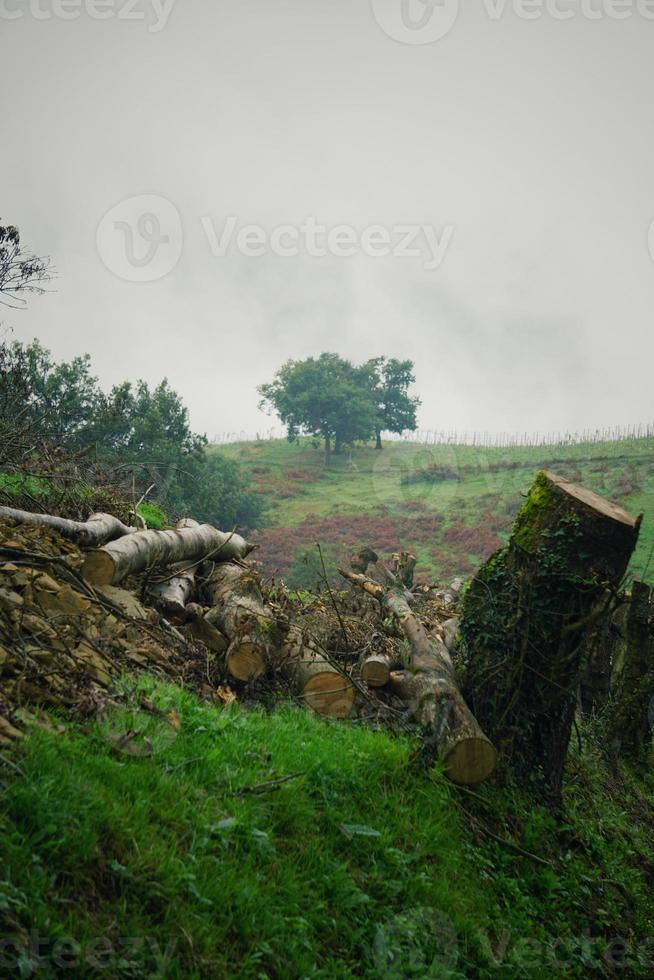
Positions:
{"x": 526, "y": 615}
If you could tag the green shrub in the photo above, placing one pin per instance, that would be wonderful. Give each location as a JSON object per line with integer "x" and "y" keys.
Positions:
{"x": 153, "y": 516}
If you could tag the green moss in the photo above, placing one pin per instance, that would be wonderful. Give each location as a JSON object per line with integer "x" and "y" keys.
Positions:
{"x": 528, "y": 522}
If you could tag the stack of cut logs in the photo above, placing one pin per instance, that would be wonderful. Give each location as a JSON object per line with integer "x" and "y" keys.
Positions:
{"x": 426, "y": 682}
{"x": 199, "y": 580}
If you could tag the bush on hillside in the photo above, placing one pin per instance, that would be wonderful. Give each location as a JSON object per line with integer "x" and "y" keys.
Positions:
{"x": 134, "y": 438}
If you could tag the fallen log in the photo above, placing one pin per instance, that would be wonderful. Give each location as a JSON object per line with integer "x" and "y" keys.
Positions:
{"x": 376, "y": 669}
{"x": 93, "y": 532}
{"x": 429, "y": 689}
{"x": 526, "y": 616}
{"x": 239, "y": 610}
{"x": 322, "y": 687}
{"x": 172, "y": 593}
{"x": 146, "y": 549}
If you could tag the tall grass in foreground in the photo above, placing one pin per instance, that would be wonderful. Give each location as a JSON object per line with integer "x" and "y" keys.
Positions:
{"x": 197, "y": 861}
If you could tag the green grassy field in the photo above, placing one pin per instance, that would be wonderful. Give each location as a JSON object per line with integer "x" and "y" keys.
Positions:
{"x": 451, "y": 505}
{"x": 203, "y": 859}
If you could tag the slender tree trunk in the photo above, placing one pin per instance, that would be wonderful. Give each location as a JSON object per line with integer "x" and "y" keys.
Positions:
{"x": 378, "y": 439}
{"x": 526, "y": 616}
{"x": 338, "y": 445}
{"x": 201, "y": 629}
{"x": 328, "y": 448}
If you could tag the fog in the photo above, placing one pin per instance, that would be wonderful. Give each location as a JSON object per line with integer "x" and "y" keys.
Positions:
{"x": 495, "y": 184}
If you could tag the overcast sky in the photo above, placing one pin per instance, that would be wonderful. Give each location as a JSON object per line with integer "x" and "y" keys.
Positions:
{"x": 524, "y": 146}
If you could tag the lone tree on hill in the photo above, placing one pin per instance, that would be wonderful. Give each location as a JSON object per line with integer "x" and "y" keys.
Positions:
{"x": 389, "y": 380}
{"x": 323, "y": 396}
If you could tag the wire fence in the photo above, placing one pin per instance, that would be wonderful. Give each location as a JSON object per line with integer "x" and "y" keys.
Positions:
{"x": 482, "y": 440}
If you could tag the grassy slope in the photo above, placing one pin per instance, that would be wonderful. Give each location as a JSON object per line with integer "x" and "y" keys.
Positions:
{"x": 453, "y": 524}
{"x": 359, "y": 867}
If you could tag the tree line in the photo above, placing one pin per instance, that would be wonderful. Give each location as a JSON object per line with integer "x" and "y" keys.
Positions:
{"x": 137, "y": 432}
{"x": 332, "y": 399}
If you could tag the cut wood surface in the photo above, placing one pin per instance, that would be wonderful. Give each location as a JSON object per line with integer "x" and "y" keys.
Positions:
{"x": 429, "y": 689}
{"x": 322, "y": 687}
{"x": 90, "y": 533}
{"x": 146, "y": 549}
{"x": 239, "y": 610}
{"x": 377, "y": 667}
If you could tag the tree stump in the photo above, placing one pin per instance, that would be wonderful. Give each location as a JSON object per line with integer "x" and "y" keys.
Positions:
{"x": 630, "y": 712}
{"x": 526, "y": 615}
{"x": 600, "y": 651}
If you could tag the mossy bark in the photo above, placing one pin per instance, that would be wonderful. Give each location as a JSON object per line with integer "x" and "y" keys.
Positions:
{"x": 600, "y": 652}
{"x": 630, "y": 713}
{"x": 526, "y": 615}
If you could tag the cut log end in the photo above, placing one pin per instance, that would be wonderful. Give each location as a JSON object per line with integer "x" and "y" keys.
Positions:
{"x": 600, "y": 505}
{"x": 246, "y": 660}
{"x": 376, "y": 670}
{"x": 470, "y": 761}
{"x": 329, "y": 694}
{"x": 99, "y": 568}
